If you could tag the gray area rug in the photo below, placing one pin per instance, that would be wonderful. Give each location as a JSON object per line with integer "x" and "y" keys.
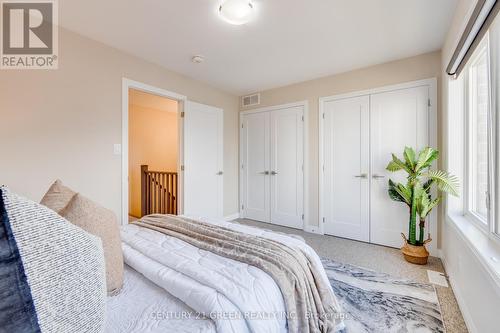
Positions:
{"x": 374, "y": 302}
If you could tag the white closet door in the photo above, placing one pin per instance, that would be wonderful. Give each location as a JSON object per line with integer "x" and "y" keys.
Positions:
{"x": 346, "y": 191}
{"x": 398, "y": 118}
{"x": 287, "y": 159}
{"x": 203, "y": 160}
{"x": 255, "y": 174}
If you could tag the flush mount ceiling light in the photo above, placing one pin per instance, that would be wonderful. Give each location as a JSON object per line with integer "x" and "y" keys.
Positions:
{"x": 236, "y": 12}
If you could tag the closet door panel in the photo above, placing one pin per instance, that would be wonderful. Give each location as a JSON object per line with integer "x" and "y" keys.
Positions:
{"x": 398, "y": 118}
{"x": 346, "y": 168}
{"x": 256, "y": 166}
{"x": 287, "y": 178}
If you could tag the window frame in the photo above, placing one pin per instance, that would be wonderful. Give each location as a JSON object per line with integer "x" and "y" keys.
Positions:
{"x": 487, "y": 224}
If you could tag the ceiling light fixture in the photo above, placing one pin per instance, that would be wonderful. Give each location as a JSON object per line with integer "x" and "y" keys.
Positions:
{"x": 236, "y": 12}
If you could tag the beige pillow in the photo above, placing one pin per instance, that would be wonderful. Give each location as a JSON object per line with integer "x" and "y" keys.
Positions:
{"x": 57, "y": 197}
{"x": 102, "y": 223}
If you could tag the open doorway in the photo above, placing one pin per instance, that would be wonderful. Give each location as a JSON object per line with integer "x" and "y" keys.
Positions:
{"x": 153, "y": 154}
{"x": 198, "y": 180}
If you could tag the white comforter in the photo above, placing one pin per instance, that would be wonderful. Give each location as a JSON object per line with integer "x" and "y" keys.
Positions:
{"x": 237, "y": 297}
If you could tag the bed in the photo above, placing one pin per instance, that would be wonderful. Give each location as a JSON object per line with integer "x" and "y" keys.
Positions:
{"x": 173, "y": 286}
{"x": 143, "y": 307}
{"x": 182, "y": 274}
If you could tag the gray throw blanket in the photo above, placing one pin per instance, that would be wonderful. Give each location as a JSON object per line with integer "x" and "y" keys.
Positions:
{"x": 310, "y": 303}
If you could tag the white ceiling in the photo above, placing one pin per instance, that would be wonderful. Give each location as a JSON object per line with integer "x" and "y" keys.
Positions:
{"x": 289, "y": 40}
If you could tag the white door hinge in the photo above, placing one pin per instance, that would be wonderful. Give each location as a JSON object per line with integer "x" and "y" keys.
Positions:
{"x": 302, "y": 216}
{"x": 182, "y": 114}
{"x": 488, "y": 201}
{"x": 324, "y": 219}
{"x": 428, "y": 102}
{"x": 182, "y": 167}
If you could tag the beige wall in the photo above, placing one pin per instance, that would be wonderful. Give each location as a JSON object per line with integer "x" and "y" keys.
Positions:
{"x": 63, "y": 123}
{"x": 153, "y": 141}
{"x": 411, "y": 69}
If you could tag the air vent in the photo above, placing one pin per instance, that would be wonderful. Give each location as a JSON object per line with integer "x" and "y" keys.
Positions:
{"x": 250, "y": 100}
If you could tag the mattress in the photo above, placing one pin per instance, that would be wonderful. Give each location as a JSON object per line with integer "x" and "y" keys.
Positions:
{"x": 143, "y": 307}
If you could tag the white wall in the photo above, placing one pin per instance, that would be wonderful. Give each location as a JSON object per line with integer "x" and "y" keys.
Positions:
{"x": 63, "y": 123}
{"x": 477, "y": 292}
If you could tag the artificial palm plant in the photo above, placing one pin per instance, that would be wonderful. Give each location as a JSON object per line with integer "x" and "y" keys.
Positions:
{"x": 417, "y": 192}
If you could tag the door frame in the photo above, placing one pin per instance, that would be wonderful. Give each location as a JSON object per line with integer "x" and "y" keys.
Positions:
{"x": 433, "y": 139}
{"x": 305, "y": 105}
{"x": 181, "y": 99}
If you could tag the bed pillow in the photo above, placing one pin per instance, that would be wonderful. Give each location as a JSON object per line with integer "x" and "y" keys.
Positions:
{"x": 57, "y": 197}
{"x": 102, "y": 223}
{"x": 52, "y": 272}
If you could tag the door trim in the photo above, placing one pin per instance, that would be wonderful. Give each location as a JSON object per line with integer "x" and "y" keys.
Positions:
{"x": 305, "y": 104}
{"x": 131, "y": 84}
{"x": 433, "y": 139}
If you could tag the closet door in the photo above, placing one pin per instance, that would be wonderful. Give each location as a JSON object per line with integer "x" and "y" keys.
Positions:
{"x": 398, "y": 118}
{"x": 255, "y": 152}
{"x": 346, "y": 190}
{"x": 287, "y": 160}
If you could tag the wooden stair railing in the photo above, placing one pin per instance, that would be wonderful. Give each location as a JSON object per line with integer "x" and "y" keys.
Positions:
{"x": 158, "y": 192}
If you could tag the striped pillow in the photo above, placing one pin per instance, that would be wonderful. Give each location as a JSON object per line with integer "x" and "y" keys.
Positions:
{"x": 52, "y": 272}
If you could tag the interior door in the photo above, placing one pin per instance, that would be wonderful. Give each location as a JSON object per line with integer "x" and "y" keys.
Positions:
{"x": 346, "y": 184}
{"x": 287, "y": 161}
{"x": 203, "y": 160}
{"x": 256, "y": 167}
{"x": 398, "y": 118}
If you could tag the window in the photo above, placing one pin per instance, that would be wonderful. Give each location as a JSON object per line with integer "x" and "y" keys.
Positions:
{"x": 474, "y": 135}
{"x": 477, "y": 109}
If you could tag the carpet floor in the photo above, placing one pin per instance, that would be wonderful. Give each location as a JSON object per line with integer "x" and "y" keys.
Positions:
{"x": 381, "y": 259}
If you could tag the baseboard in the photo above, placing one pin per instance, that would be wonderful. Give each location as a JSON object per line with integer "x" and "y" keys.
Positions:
{"x": 313, "y": 229}
{"x": 232, "y": 217}
{"x": 460, "y": 300}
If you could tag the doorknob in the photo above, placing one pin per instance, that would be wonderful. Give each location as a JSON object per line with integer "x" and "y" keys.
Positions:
{"x": 220, "y": 173}
{"x": 363, "y": 175}
{"x": 375, "y": 176}
{"x": 274, "y": 173}
{"x": 264, "y": 173}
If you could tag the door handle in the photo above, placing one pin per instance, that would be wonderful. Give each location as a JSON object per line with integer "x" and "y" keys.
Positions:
{"x": 220, "y": 173}
{"x": 274, "y": 173}
{"x": 375, "y": 176}
{"x": 363, "y": 175}
{"x": 264, "y": 172}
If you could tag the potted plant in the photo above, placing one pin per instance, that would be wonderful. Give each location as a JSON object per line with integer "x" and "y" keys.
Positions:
{"x": 417, "y": 195}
